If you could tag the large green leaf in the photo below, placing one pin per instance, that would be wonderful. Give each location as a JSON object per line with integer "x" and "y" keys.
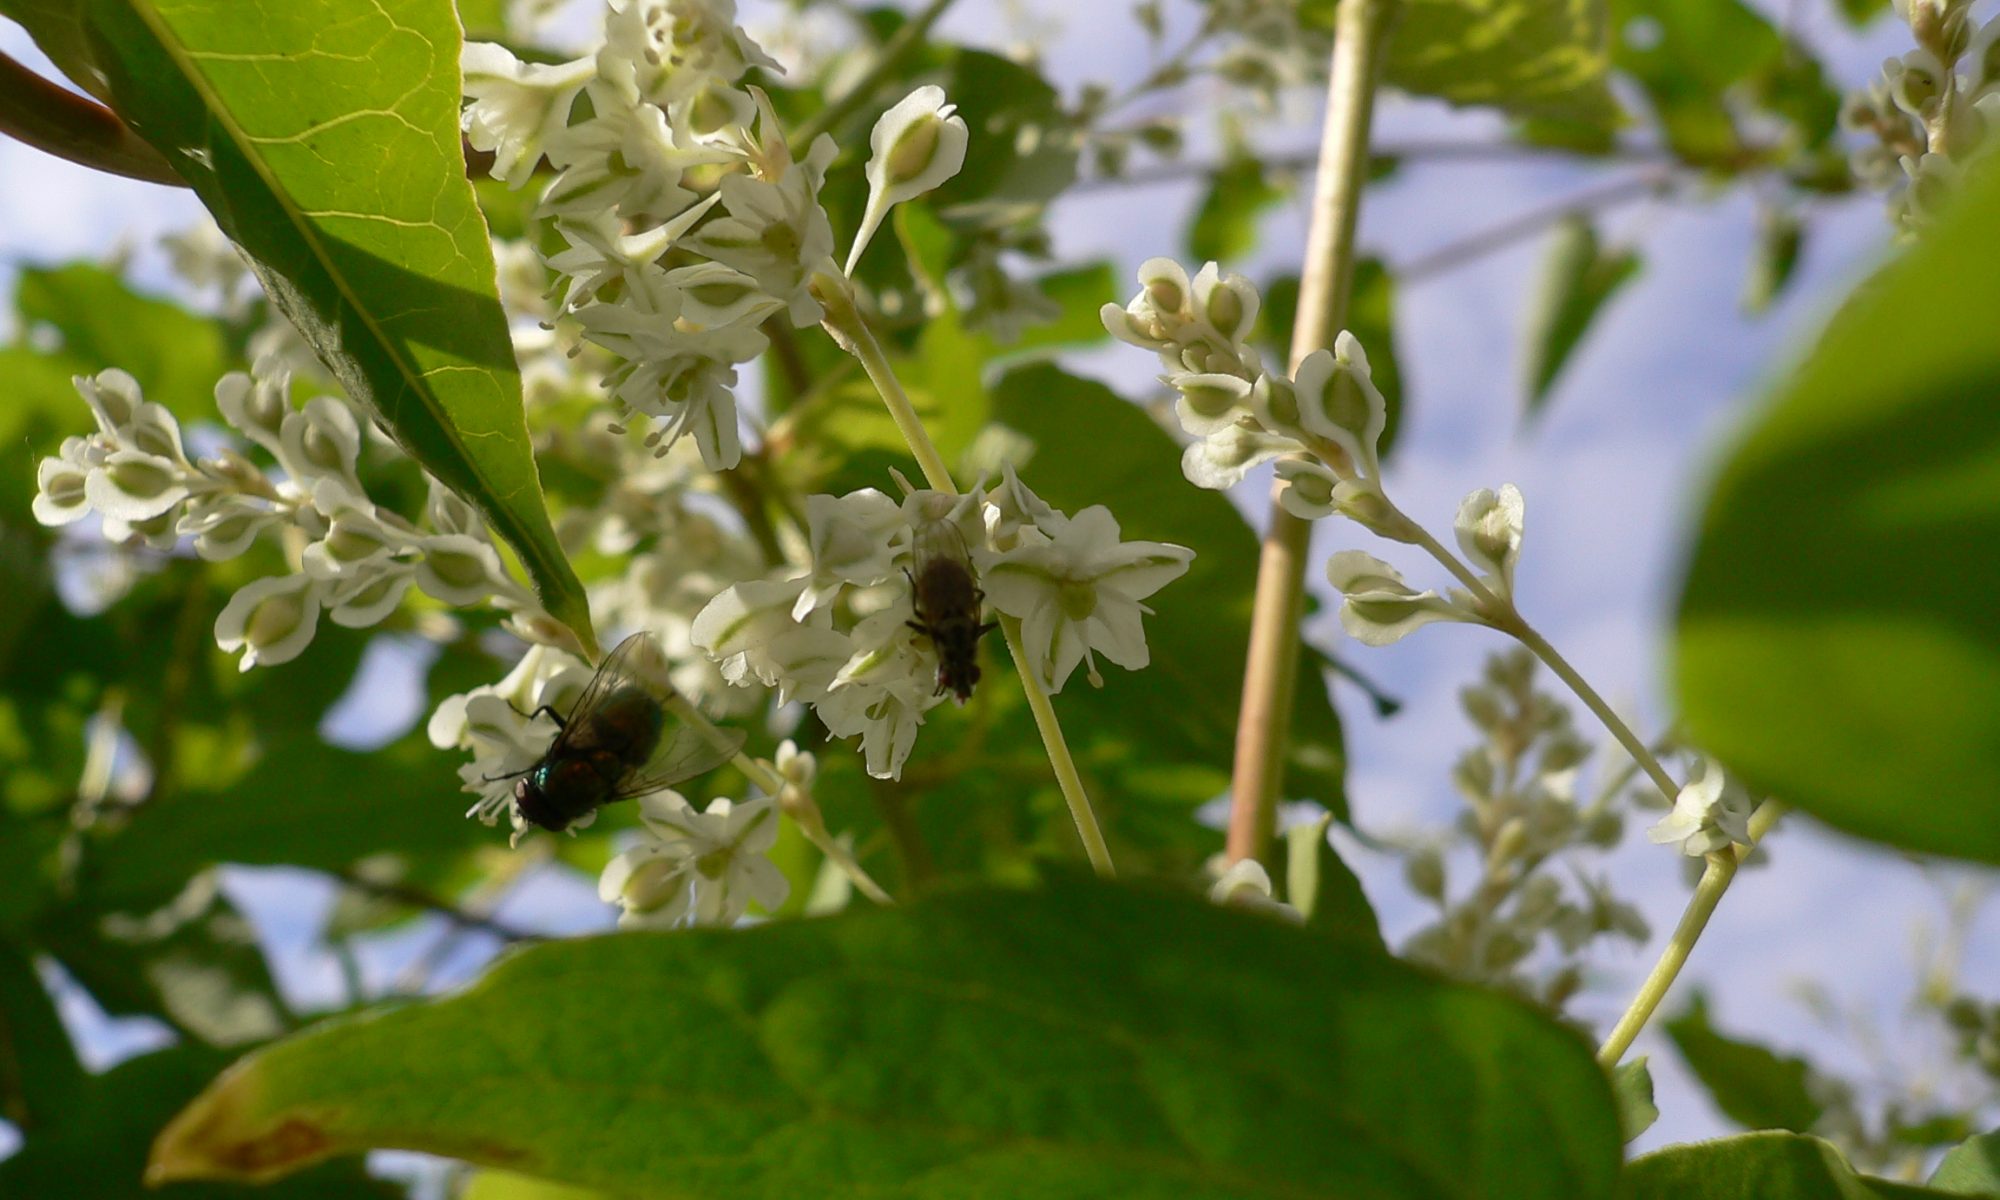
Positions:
{"x": 1080, "y": 1040}
{"x": 323, "y": 135}
{"x": 1839, "y": 641}
{"x": 1541, "y": 58}
{"x": 1757, "y": 1166}
{"x": 1751, "y": 1085}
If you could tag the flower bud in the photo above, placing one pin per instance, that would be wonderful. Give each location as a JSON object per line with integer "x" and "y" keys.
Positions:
{"x": 1917, "y": 81}
{"x": 224, "y": 527}
{"x": 61, "y": 495}
{"x": 1489, "y": 532}
{"x": 458, "y": 569}
{"x": 1379, "y": 608}
{"x": 271, "y": 620}
{"x": 1309, "y": 488}
{"x": 1226, "y": 303}
{"x": 368, "y": 595}
{"x": 135, "y": 486}
{"x": 1208, "y": 404}
{"x": 1339, "y": 402}
{"x": 113, "y": 397}
{"x": 256, "y": 405}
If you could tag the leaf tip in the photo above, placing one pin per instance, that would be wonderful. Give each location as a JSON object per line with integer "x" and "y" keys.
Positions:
{"x": 223, "y": 1135}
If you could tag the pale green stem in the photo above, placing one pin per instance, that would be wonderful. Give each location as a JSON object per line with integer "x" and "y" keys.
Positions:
{"x": 851, "y": 332}
{"x": 1502, "y": 614}
{"x": 1715, "y": 880}
{"x": 1059, "y": 756}
{"x": 803, "y": 811}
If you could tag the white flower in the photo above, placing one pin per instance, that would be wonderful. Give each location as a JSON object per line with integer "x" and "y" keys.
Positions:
{"x": 271, "y": 620}
{"x": 1245, "y": 884}
{"x": 913, "y": 148}
{"x": 883, "y": 690}
{"x": 62, "y": 481}
{"x": 1223, "y": 460}
{"x": 720, "y": 856}
{"x": 1378, "y": 607}
{"x": 224, "y": 526}
{"x": 1209, "y": 404}
{"x": 664, "y": 50}
{"x": 1309, "y": 488}
{"x": 852, "y": 541}
{"x": 1079, "y": 592}
{"x": 749, "y": 630}
{"x": 459, "y": 569}
{"x": 1709, "y": 814}
{"x": 1489, "y": 531}
{"x": 776, "y": 232}
{"x": 517, "y": 108}
{"x": 1338, "y": 401}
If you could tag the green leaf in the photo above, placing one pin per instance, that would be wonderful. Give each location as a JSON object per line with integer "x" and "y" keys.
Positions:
{"x": 58, "y": 29}
{"x": 98, "y": 1148}
{"x": 1632, "y": 1083}
{"x": 1079, "y": 1040}
{"x": 505, "y": 1185}
{"x": 1751, "y": 1085}
{"x": 1838, "y": 641}
{"x": 40, "y": 1077}
{"x": 1224, "y": 226}
{"x": 1971, "y": 1168}
{"x": 1091, "y": 447}
{"x": 101, "y": 322}
{"x": 1757, "y": 1166}
{"x": 1540, "y": 58}
{"x": 1780, "y": 236}
{"x": 1579, "y": 277}
{"x": 1323, "y": 888}
{"x": 324, "y": 138}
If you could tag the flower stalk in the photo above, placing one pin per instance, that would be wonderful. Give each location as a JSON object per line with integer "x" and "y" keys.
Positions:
{"x": 844, "y": 322}
{"x": 1326, "y": 282}
{"x": 1715, "y": 880}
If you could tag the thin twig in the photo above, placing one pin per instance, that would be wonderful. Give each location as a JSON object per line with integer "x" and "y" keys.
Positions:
{"x": 416, "y": 897}
{"x": 1535, "y": 220}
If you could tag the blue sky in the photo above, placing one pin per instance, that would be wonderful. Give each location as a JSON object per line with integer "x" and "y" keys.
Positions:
{"x": 1612, "y": 475}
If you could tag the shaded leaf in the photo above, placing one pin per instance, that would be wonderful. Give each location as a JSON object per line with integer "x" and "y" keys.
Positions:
{"x": 1751, "y": 1085}
{"x": 1838, "y": 643}
{"x": 343, "y": 178}
{"x": 1077, "y": 1040}
{"x": 98, "y": 1149}
{"x": 1632, "y": 1083}
{"x": 1318, "y": 883}
{"x": 1543, "y": 58}
{"x": 1579, "y": 277}
{"x": 1757, "y": 1166}
{"x": 1971, "y": 1168}
{"x": 40, "y": 1077}
{"x": 1780, "y": 236}
{"x": 1225, "y": 224}
{"x": 102, "y": 322}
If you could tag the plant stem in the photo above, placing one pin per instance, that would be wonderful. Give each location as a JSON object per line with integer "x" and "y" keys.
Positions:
{"x": 1502, "y": 615}
{"x": 60, "y": 122}
{"x": 845, "y": 323}
{"x": 1715, "y": 880}
{"x": 843, "y": 106}
{"x": 1059, "y": 755}
{"x": 1270, "y": 671}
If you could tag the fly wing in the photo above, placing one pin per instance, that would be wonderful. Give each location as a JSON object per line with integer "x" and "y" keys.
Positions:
{"x": 939, "y": 538}
{"x": 683, "y": 753}
{"x": 636, "y": 660}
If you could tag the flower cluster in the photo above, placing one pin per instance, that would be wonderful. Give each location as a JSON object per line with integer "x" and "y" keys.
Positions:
{"x": 358, "y": 560}
{"x": 842, "y": 633}
{"x": 686, "y": 220}
{"x": 705, "y": 867}
{"x": 1523, "y": 819}
{"x": 505, "y": 727}
{"x": 1242, "y": 415}
{"x": 1930, "y": 110}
